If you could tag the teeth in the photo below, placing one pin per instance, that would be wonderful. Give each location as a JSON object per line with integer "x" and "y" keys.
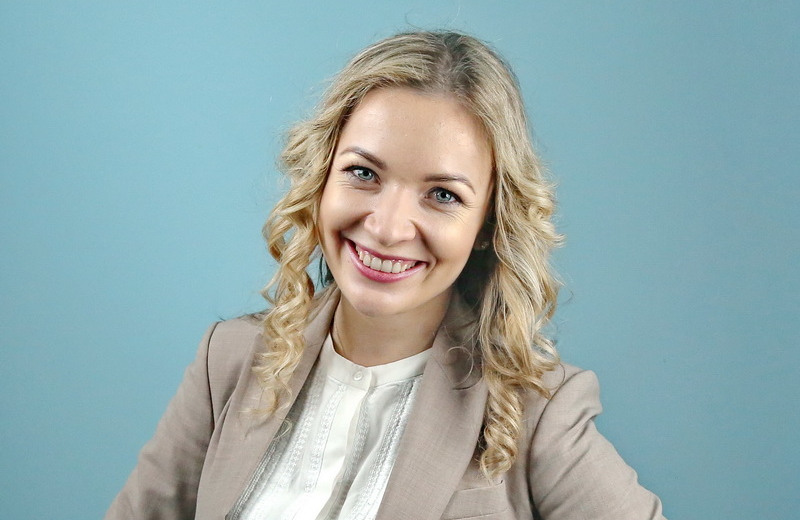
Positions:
{"x": 383, "y": 265}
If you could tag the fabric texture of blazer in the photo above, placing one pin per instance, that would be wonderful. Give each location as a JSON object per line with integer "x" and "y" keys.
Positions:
{"x": 206, "y": 447}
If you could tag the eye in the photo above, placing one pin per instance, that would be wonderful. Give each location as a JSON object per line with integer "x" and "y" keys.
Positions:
{"x": 361, "y": 173}
{"x": 444, "y": 196}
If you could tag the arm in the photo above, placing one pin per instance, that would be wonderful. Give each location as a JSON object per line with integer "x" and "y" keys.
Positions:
{"x": 575, "y": 473}
{"x": 164, "y": 482}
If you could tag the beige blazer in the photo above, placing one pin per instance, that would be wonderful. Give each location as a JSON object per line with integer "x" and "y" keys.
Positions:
{"x": 205, "y": 449}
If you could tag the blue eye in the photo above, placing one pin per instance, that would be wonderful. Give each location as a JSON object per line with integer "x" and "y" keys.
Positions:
{"x": 361, "y": 173}
{"x": 444, "y": 196}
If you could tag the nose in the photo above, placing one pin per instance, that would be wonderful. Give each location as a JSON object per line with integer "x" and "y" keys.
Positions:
{"x": 392, "y": 218}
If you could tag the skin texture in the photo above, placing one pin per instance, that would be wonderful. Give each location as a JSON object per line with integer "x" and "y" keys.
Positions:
{"x": 411, "y": 180}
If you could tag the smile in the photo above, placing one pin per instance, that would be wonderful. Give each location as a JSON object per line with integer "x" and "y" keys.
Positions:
{"x": 384, "y": 265}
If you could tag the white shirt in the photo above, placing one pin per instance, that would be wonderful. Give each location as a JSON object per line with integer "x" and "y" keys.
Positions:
{"x": 345, "y": 427}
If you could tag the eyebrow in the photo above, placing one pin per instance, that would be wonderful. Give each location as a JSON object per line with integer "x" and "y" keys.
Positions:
{"x": 450, "y": 177}
{"x": 437, "y": 177}
{"x": 365, "y": 154}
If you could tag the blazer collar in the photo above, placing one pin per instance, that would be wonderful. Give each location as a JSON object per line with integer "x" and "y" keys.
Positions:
{"x": 258, "y": 434}
{"x": 319, "y": 323}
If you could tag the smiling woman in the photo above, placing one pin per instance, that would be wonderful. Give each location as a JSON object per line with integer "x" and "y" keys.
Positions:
{"x": 418, "y": 383}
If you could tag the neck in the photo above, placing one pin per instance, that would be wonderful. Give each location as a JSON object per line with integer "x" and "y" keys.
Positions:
{"x": 370, "y": 340}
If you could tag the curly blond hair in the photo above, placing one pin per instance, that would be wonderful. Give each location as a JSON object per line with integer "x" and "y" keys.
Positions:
{"x": 518, "y": 297}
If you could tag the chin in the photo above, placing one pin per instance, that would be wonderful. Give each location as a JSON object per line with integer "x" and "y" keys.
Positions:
{"x": 374, "y": 306}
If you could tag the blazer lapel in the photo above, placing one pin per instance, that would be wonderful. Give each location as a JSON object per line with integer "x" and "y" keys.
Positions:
{"x": 319, "y": 323}
{"x": 258, "y": 434}
{"x": 442, "y": 432}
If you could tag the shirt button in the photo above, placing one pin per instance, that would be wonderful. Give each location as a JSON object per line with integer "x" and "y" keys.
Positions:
{"x": 358, "y": 376}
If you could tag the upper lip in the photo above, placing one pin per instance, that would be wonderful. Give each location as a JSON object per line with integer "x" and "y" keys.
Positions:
{"x": 382, "y": 256}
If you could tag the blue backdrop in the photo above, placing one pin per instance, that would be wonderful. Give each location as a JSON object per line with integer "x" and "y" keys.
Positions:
{"x": 137, "y": 145}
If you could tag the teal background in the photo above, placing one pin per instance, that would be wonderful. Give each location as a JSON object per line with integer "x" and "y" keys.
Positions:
{"x": 137, "y": 146}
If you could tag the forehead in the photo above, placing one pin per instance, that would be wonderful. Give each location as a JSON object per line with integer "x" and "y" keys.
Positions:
{"x": 409, "y": 129}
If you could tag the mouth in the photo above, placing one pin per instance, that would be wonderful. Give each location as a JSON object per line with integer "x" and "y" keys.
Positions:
{"x": 371, "y": 260}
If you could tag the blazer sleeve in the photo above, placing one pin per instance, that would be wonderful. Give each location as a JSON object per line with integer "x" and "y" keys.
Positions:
{"x": 164, "y": 482}
{"x": 576, "y": 474}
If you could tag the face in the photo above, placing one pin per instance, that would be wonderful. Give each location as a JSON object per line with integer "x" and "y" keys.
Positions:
{"x": 406, "y": 196}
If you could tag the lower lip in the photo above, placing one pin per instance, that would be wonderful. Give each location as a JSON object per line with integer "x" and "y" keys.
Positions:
{"x": 380, "y": 276}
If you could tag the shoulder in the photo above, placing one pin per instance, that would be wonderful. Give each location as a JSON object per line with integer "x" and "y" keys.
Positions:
{"x": 575, "y": 472}
{"x": 226, "y": 339}
{"x": 230, "y": 347}
{"x": 573, "y": 392}
{"x": 234, "y": 334}
{"x": 569, "y": 379}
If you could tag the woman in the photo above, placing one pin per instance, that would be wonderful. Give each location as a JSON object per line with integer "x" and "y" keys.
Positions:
{"x": 419, "y": 382}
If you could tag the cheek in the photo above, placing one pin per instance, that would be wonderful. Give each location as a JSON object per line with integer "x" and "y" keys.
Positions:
{"x": 337, "y": 214}
{"x": 455, "y": 244}
{"x": 341, "y": 208}
{"x": 327, "y": 209}
{"x": 329, "y": 216}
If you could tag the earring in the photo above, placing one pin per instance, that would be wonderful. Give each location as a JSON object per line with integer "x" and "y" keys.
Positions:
{"x": 483, "y": 245}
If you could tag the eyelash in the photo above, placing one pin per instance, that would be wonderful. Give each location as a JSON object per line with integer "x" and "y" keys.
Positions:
{"x": 354, "y": 170}
{"x": 351, "y": 172}
{"x": 455, "y": 198}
